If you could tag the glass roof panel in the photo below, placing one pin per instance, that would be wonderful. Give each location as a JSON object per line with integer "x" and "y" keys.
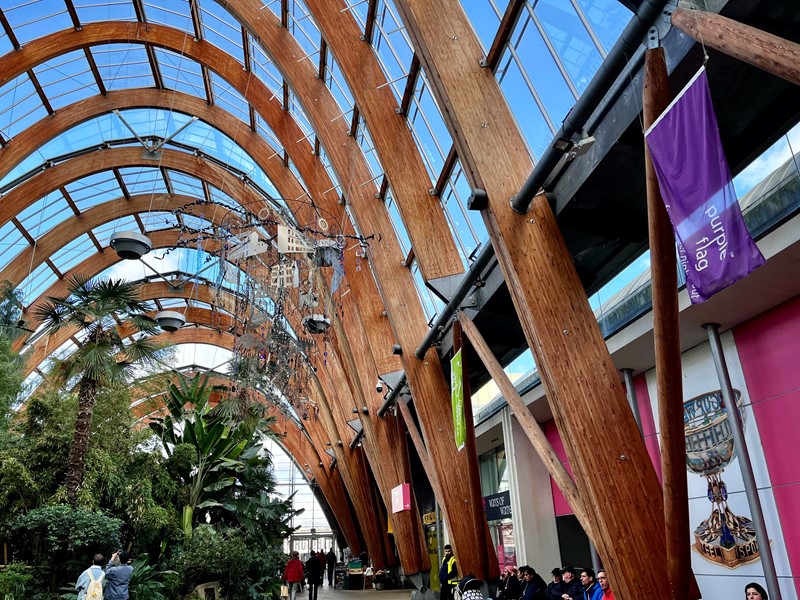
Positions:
{"x": 368, "y": 148}
{"x": 5, "y": 42}
{"x": 397, "y": 222}
{"x": 36, "y": 283}
{"x": 103, "y": 232}
{"x": 428, "y": 128}
{"x": 123, "y": 66}
{"x": 73, "y": 253}
{"x": 607, "y": 19}
{"x": 392, "y": 46}
{"x": 570, "y": 39}
{"x": 297, "y": 111}
{"x": 303, "y": 27}
{"x": 335, "y": 81}
{"x": 229, "y": 99}
{"x": 485, "y": 17}
{"x": 20, "y": 106}
{"x": 41, "y": 216}
{"x": 11, "y": 243}
{"x": 143, "y": 180}
{"x": 181, "y": 73}
{"x": 156, "y": 220}
{"x": 66, "y": 79}
{"x": 467, "y": 226}
{"x": 30, "y": 18}
{"x": 265, "y": 69}
{"x": 90, "y": 11}
{"x": 185, "y": 184}
{"x": 172, "y": 14}
{"x": 265, "y": 131}
{"x": 536, "y": 130}
{"x": 222, "y": 29}
{"x": 93, "y": 190}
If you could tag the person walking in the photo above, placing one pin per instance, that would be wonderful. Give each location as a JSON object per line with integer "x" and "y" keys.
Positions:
{"x": 118, "y": 576}
{"x": 90, "y": 583}
{"x": 330, "y": 562}
{"x": 448, "y": 574}
{"x": 293, "y": 574}
{"x": 314, "y": 569}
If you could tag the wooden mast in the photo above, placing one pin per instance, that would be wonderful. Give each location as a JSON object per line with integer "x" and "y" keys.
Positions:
{"x": 666, "y": 333}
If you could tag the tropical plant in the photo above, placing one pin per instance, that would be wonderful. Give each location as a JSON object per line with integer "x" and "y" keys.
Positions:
{"x": 147, "y": 582}
{"x": 92, "y": 309}
{"x": 220, "y": 462}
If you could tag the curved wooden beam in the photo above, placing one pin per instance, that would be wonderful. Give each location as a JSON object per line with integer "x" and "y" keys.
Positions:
{"x": 422, "y": 214}
{"x": 426, "y": 380}
{"x": 611, "y": 465}
{"x": 73, "y": 227}
{"x": 397, "y": 283}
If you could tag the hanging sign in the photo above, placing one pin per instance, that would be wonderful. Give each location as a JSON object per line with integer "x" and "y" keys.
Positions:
{"x": 457, "y": 399}
{"x": 401, "y": 498}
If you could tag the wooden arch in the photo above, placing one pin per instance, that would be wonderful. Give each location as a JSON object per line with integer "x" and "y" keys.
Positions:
{"x": 425, "y": 378}
{"x": 357, "y": 478}
{"x": 398, "y": 471}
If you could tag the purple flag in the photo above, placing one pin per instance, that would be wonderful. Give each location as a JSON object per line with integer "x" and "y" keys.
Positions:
{"x": 714, "y": 245}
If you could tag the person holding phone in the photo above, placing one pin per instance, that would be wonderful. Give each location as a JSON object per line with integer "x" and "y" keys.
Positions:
{"x": 118, "y": 576}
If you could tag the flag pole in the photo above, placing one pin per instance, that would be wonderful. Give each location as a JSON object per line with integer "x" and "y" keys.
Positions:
{"x": 666, "y": 332}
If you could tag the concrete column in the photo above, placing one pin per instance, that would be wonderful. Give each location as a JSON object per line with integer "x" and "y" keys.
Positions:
{"x": 535, "y": 534}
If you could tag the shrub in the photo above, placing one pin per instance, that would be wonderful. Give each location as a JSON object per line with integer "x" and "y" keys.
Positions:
{"x": 60, "y": 541}
{"x": 13, "y": 580}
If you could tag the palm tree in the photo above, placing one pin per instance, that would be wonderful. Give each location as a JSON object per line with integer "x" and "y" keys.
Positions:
{"x": 96, "y": 308}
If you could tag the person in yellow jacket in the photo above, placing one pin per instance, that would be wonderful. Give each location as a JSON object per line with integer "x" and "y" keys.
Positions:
{"x": 448, "y": 574}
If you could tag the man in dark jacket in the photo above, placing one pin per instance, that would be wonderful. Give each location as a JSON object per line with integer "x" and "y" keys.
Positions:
{"x": 448, "y": 574}
{"x": 118, "y": 576}
{"x": 573, "y": 590}
{"x": 556, "y": 587}
{"x": 314, "y": 569}
{"x": 330, "y": 560}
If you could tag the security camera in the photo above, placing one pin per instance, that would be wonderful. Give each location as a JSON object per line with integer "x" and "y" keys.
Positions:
{"x": 379, "y": 386}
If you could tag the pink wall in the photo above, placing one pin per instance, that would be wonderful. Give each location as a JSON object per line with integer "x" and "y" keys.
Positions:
{"x": 769, "y": 350}
{"x": 560, "y": 504}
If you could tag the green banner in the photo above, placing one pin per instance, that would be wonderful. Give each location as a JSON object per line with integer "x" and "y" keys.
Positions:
{"x": 457, "y": 400}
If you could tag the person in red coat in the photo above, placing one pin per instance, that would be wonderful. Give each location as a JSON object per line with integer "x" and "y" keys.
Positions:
{"x": 293, "y": 574}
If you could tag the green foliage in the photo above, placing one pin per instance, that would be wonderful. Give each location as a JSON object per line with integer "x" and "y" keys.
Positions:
{"x": 220, "y": 463}
{"x": 10, "y": 384}
{"x": 148, "y": 582}
{"x": 245, "y": 570}
{"x": 60, "y": 540}
{"x": 14, "y": 578}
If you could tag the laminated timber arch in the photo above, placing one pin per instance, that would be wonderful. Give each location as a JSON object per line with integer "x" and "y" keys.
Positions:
{"x": 459, "y": 494}
{"x": 583, "y": 387}
{"x": 357, "y": 477}
{"x": 383, "y": 436}
{"x": 425, "y": 377}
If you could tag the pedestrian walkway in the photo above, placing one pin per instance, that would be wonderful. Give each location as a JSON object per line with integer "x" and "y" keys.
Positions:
{"x": 328, "y": 593}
